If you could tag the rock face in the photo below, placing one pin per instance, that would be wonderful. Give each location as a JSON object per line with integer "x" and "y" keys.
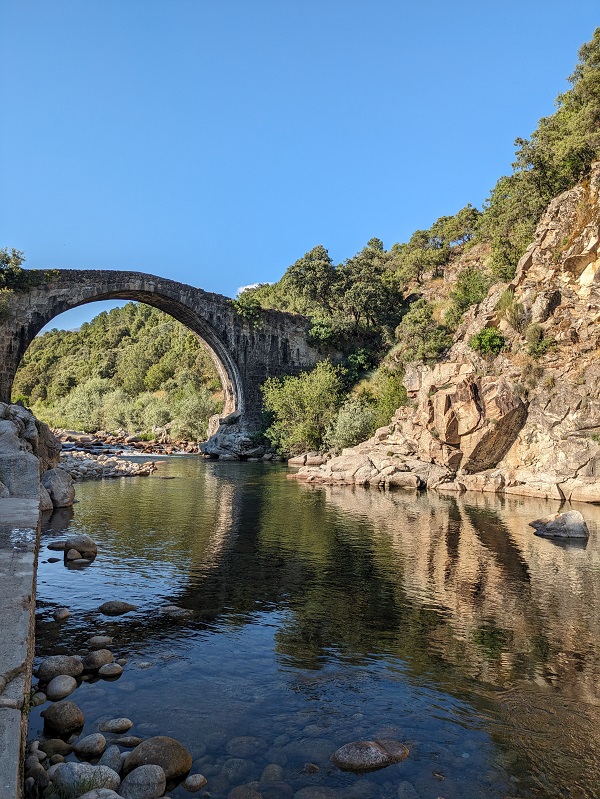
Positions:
{"x": 369, "y": 755}
{"x": 59, "y": 485}
{"x": 229, "y": 439}
{"x": 562, "y": 525}
{"x": 526, "y": 421}
{"x": 169, "y": 754}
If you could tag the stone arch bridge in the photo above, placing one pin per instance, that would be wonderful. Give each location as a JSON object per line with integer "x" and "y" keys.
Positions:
{"x": 245, "y": 353}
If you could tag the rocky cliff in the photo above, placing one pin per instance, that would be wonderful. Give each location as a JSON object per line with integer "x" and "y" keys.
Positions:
{"x": 525, "y": 421}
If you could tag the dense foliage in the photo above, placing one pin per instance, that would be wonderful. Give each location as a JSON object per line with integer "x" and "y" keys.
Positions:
{"x": 133, "y": 368}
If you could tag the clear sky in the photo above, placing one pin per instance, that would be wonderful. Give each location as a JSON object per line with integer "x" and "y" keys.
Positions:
{"x": 216, "y": 142}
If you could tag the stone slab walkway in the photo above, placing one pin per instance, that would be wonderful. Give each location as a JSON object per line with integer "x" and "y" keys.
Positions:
{"x": 19, "y": 531}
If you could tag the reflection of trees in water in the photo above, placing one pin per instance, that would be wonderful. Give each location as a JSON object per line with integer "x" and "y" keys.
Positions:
{"x": 460, "y": 589}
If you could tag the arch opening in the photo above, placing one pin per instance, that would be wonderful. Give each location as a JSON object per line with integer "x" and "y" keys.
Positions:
{"x": 218, "y": 355}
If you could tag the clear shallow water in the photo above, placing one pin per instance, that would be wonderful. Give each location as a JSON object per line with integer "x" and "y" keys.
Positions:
{"x": 327, "y": 615}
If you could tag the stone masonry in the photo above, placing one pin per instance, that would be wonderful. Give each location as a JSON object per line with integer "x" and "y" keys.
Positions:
{"x": 245, "y": 352}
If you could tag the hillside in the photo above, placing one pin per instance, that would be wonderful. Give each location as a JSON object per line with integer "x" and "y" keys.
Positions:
{"x": 519, "y": 414}
{"x": 133, "y": 369}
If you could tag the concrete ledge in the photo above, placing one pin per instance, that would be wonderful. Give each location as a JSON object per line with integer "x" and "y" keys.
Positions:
{"x": 19, "y": 534}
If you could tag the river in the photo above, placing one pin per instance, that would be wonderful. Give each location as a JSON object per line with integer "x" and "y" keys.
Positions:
{"x": 327, "y": 615}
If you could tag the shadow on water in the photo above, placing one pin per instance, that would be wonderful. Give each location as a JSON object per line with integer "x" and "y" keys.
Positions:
{"x": 443, "y": 614}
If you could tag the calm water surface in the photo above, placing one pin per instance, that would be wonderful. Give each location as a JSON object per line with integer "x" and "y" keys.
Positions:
{"x": 327, "y": 615}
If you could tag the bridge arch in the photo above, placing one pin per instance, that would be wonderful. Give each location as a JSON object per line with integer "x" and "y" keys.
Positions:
{"x": 245, "y": 352}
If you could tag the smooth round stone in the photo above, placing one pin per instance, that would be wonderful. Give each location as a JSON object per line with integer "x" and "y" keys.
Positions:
{"x": 129, "y": 741}
{"x": 112, "y": 758}
{"x": 61, "y": 614}
{"x": 100, "y": 641}
{"x": 38, "y": 698}
{"x": 245, "y": 746}
{"x": 144, "y": 782}
{"x": 173, "y": 757}
{"x": 235, "y": 769}
{"x": 272, "y": 773}
{"x": 91, "y": 746}
{"x": 53, "y": 560}
{"x": 59, "y": 664}
{"x": 73, "y": 554}
{"x": 101, "y": 793}
{"x": 56, "y": 546}
{"x": 73, "y": 778}
{"x": 34, "y": 746}
{"x": 56, "y": 759}
{"x": 116, "y": 608}
{"x": 275, "y": 790}
{"x": 30, "y": 762}
{"x": 95, "y": 660}
{"x": 116, "y": 725}
{"x": 110, "y": 670}
{"x": 369, "y": 755}
{"x": 60, "y": 687}
{"x": 55, "y": 746}
{"x": 64, "y": 716}
{"x": 194, "y": 782}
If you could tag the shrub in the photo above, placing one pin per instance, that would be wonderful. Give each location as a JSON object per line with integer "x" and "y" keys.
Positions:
{"x": 512, "y": 311}
{"x": 302, "y": 408}
{"x": 537, "y": 345}
{"x": 488, "y": 341}
{"x": 419, "y": 337}
{"x": 471, "y": 288}
{"x": 354, "y": 423}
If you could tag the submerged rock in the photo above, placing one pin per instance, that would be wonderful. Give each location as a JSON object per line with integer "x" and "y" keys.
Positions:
{"x": 61, "y": 614}
{"x": 162, "y": 751}
{"x": 116, "y": 725}
{"x": 100, "y": 641}
{"x": 116, "y": 608}
{"x": 144, "y": 782}
{"x": 369, "y": 755}
{"x": 561, "y": 525}
{"x": 194, "y": 782}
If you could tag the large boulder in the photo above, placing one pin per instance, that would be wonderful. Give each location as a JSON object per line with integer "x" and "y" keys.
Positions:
{"x": 561, "y": 525}
{"x": 59, "y": 484}
{"x": 169, "y": 754}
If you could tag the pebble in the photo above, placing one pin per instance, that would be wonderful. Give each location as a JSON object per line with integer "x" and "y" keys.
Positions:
{"x": 73, "y": 554}
{"x": 91, "y": 746}
{"x": 53, "y": 560}
{"x": 194, "y": 782}
{"x": 64, "y": 716}
{"x": 95, "y": 660}
{"x": 100, "y": 641}
{"x": 129, "y": 741}
{"x": 110, "y": 670}
{"x": 60, "y": 687}
{"x": 56, "y": 546}
{"x": 369, "y": 755}
{"x": 144, "y": 782}
{"x": 116, "y": 725}
{"x": 38, "y": 698}
{"x": 112, "y": 759}
{"x": 56, "y": 759}
{"x": 61, "y": 614}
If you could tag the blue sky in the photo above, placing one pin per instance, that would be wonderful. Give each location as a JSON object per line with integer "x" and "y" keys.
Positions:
{"x": 216, "y": 142}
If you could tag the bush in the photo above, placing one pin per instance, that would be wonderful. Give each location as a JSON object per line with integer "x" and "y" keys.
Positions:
{"x": 419, "y": 337}
{"x": 537, "y": 345}
{"x": 513, "y": 312}
{"x": 302, "y": 408}
{"x": 488, "y": 341}
{"x": 471, "y": 288}
{"x": 354, "y": 423}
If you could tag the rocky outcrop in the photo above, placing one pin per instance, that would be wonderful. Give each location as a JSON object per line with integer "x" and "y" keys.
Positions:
{"x": 231, "y": 439}
{"x": 29, "y": 452}
{"x": 526, "y": 421}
